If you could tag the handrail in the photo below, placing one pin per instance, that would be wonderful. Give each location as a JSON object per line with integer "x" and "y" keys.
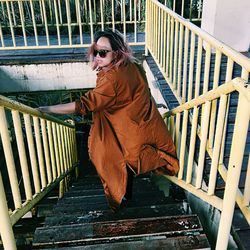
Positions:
{"x": 191, "y": 172}
{"x": 11, "y": 104}
{"x": 225, "y": 49}
{"x": 191, "y": 62}
{"x": 46, "y": 148}
{"x": 225, "y": 89}
{"x": 74, "y": 22}
{"x": 172, "y": 40}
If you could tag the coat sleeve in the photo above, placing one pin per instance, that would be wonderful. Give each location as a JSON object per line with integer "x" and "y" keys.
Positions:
{"x": 101, "y": 97}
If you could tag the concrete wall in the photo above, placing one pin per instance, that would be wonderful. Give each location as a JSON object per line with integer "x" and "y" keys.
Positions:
{"x": 228, "y": 21}
{"x": 36, "y": 77}
{"x": 56, "y": 76}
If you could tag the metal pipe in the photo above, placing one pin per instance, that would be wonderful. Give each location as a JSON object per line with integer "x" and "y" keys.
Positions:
{"x": 22, "y": 154}
{"x": 6, "y": 230}
{"x": 51, "y": 150}
{"x": 8, "y": 153}
{"x": 202, "y": 150}
{"x": 40, "y": 152}
{"x": 217, "y": 144}
{"x": 32, "y": 153}
{"x": 234, "y": 170}
{"x": 46, "y": 151}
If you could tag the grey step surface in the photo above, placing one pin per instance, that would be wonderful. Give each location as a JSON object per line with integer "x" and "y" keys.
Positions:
{"x": 158, "y": 243}
{"x": 130, "y": 229}
{"x": 125, "y": 213}
{"x": 83, "y": 219}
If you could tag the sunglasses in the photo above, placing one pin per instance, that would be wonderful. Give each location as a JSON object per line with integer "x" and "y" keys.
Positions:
{"x": 102, "y": 52}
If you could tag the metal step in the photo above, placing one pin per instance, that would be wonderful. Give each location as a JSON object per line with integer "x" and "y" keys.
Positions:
{"x": 88, "y": 204}
{"x": 187, "y": 242}
{"x": 82, "y": 218}
{"x": 116, "y": 231}
{"x": 125, "y": 213}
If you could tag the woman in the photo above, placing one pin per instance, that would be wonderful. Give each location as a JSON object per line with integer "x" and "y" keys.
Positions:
{"x": 128, "y": 133}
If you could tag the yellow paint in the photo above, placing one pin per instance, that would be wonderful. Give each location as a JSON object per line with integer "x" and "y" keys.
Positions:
{"x": 50, "y": 178}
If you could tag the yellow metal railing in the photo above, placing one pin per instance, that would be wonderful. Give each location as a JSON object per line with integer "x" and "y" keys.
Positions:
{"x": 182, "y": 52}
{"x": 47, "y": 154}
{"x": 191, "y": 62}
{"x": 66, "y": 24}
{"x": 190, "y": 176}
{"x": 177, "y": 47}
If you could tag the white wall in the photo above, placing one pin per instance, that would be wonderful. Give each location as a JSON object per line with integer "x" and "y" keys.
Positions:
{"x": 228, "y": 21}
{"x": 56, "y": 76}
{"x": 35, "y": 77}
{"x": 155, "y": 92}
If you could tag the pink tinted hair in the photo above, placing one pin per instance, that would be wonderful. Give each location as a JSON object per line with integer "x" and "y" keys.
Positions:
{"x": 123, "y": 53}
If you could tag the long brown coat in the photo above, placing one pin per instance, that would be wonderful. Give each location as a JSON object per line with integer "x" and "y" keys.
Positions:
{"x": 127, "y": 131}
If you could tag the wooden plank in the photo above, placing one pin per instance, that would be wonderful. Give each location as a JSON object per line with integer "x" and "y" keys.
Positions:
{"x": 177, "y": 243}
{"x": 117, "y": 230}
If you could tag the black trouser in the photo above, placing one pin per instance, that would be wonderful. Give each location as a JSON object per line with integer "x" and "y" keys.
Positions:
{"x": 129, "y": 189}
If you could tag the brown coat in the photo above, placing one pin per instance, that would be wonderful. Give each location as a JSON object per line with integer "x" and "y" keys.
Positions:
{"x": 127, "y": 130}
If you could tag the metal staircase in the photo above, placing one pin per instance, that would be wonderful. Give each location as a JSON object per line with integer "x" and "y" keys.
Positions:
{"x": 148, "y": 221}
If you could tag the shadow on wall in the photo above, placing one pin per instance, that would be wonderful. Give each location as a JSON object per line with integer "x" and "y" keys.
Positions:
{"x": 46, "y": 77}
{"x": 8, "y": 84}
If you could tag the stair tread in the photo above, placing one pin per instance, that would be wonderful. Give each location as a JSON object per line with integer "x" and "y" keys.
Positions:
{"x": 89, "y": 182}
{"x": 73, "y": 192}
{"x": 100, "y": 197}
{"x": 178, "y": 243}
{"x": 118, "y": 230}
{"x": 142, "y": 187}
{"x": 78, "y": 191}
{"x": 125, "y": 213}
{"x": 101, "y": 203}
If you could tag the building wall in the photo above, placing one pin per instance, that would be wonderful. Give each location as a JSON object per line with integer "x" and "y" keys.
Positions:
{"x": 54, "y": 76}
{"x": 58, "y": 76}
{"x": 228, "y": 21}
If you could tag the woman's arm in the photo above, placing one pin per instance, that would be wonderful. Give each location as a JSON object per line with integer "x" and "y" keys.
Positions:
{"x": 101, "y": 97}
{"x": 68, "y": 108}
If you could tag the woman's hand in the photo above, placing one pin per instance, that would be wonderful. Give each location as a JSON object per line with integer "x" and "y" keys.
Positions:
{"x": 68, "y": 108}
{"x": 44, "y": 109}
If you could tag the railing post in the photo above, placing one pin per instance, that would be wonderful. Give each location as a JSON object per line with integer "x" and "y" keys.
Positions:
{"x": 61, "y": 188}
{"x": 234, "y": 170}
{"x": 6, "y": 231}
{"x": 146, "y": 28}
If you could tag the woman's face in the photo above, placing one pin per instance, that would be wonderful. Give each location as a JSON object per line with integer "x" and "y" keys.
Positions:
{"x": 103, "y": 52}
